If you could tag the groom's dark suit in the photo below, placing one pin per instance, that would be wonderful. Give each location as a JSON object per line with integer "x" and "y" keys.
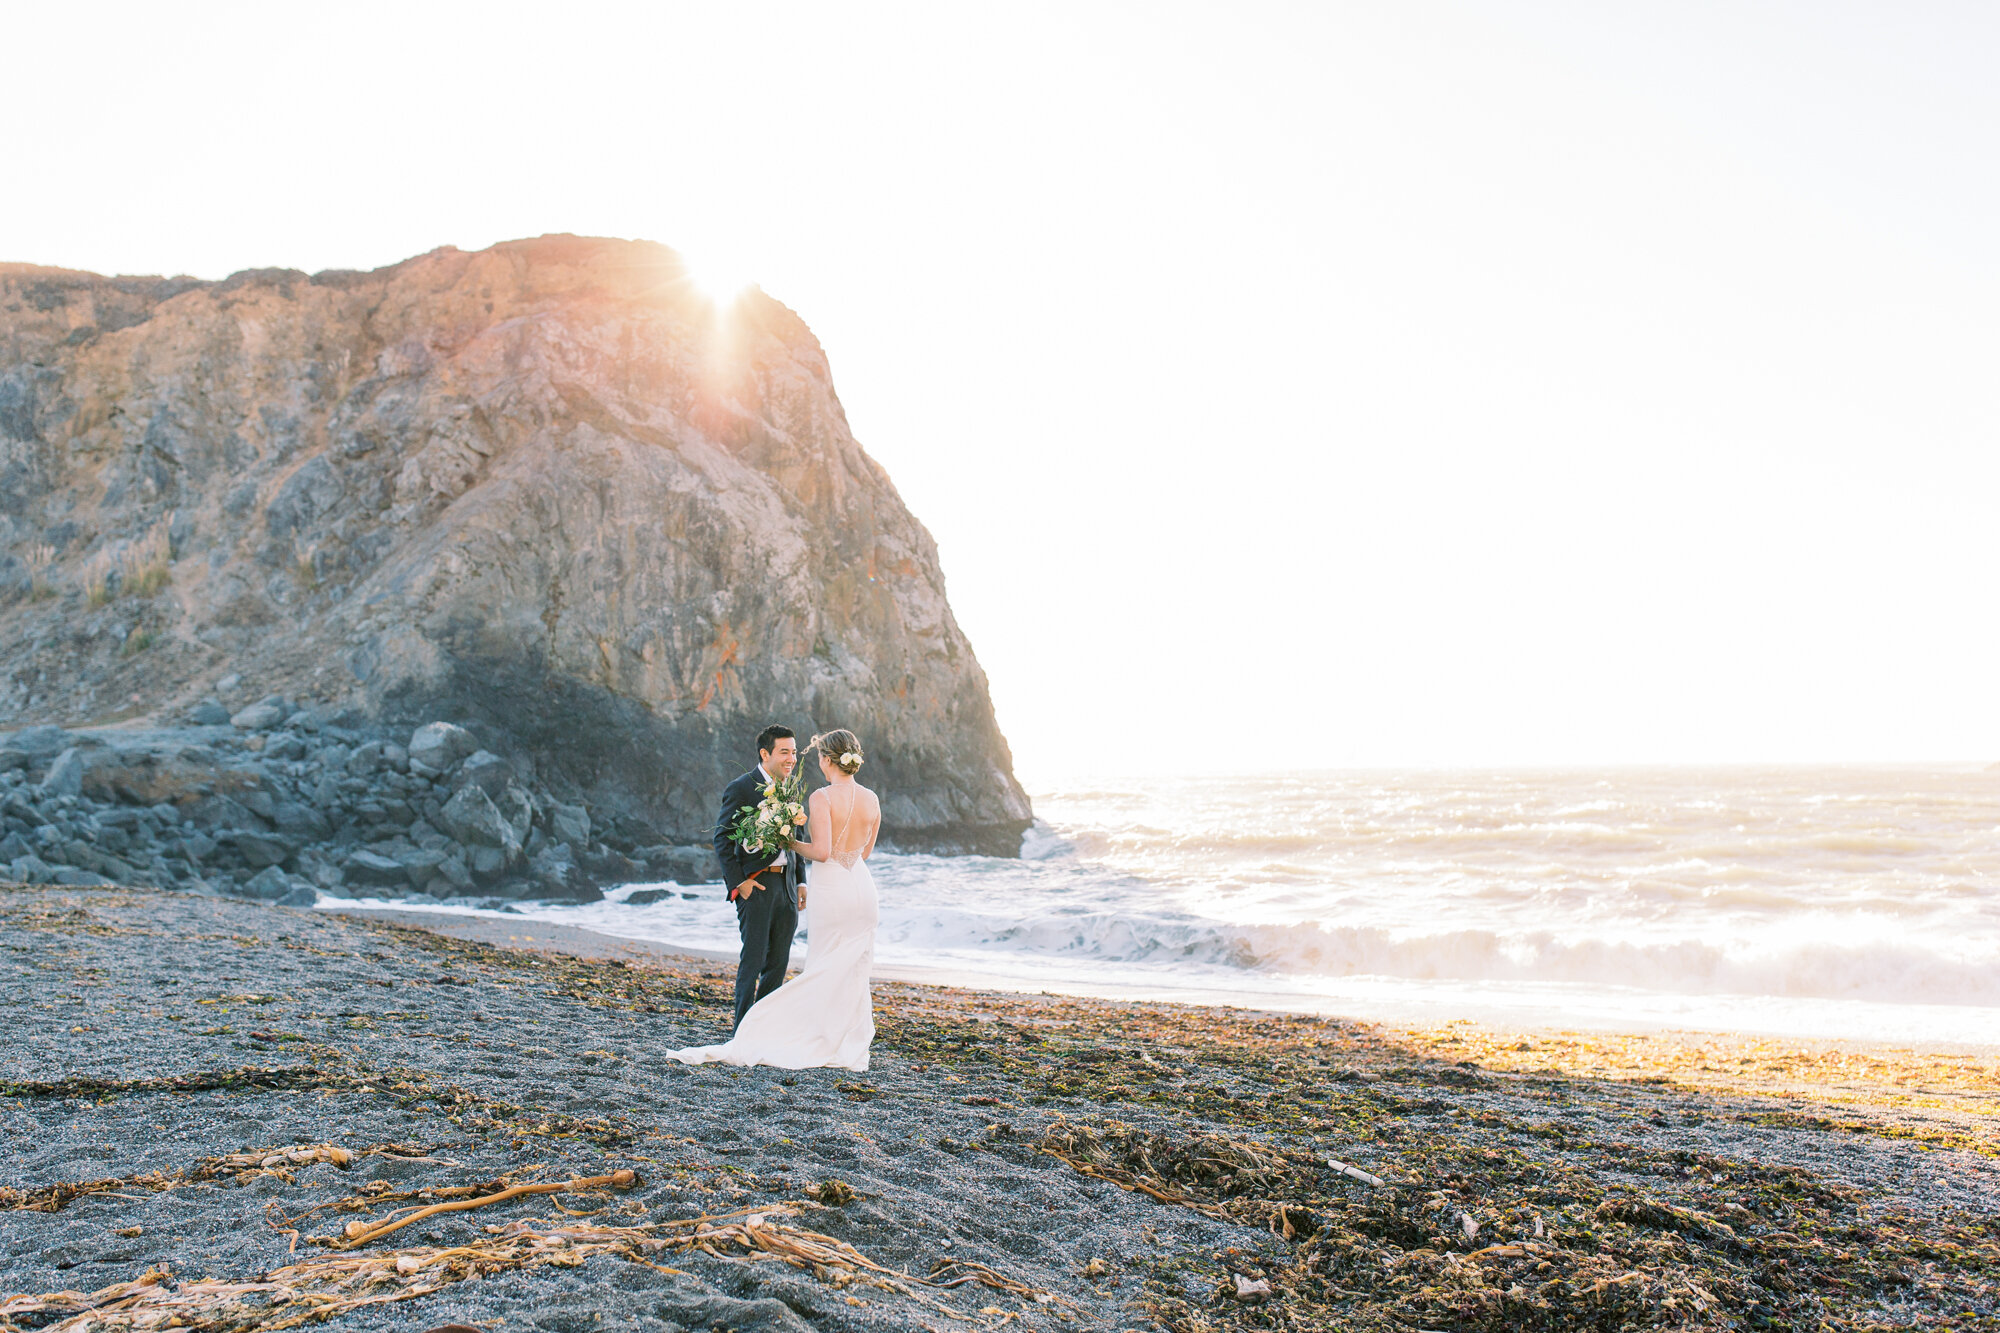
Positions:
{"x": 767, "y": 918}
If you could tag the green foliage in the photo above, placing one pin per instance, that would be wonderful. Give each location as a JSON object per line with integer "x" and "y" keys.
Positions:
{"x": 771, "y": 826}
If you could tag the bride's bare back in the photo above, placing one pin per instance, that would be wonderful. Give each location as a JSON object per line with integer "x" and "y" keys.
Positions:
{"x": 845, "y": 818}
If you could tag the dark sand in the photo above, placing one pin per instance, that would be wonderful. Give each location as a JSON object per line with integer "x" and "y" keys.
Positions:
{"x": 1076, "y": 1163}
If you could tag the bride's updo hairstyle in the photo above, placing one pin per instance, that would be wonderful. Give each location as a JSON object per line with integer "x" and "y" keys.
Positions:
{"x": 841, "y": 748}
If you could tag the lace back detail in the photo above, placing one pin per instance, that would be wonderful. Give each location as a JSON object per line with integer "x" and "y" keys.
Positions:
{"x": 852, "y": 854}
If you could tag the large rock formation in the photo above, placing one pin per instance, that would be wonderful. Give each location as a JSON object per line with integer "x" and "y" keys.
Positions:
{"x": 546, "y": 490}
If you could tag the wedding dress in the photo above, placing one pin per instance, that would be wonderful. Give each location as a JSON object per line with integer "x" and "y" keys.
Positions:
{"x": 824, "y": 1016}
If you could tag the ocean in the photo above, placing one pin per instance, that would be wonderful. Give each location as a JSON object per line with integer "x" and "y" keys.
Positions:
{"x": 1859, "y": 902}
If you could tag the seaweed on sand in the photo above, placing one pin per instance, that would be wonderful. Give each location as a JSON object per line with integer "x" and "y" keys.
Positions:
{"x": 320, "y": 1288}
{"x": 1504, "y": 1250}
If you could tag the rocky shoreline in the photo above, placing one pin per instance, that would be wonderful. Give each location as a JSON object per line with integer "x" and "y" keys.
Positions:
{"x": 211, "y": 1111}
{"x": 285, "y": 804}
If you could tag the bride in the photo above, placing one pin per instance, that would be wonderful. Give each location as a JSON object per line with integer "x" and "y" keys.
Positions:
{"x": 823, "y": 1016}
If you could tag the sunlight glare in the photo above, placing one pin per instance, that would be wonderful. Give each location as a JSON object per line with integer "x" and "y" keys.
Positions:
{"x": 719, "y": 276}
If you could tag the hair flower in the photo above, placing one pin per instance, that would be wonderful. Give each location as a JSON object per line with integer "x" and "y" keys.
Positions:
{"x": 849, "y": 759}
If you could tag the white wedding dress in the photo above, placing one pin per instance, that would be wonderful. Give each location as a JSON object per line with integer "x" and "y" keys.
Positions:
{"x": 824, "y": 1016}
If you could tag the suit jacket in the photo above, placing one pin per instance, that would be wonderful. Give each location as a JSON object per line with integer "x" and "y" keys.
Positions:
{"x": 737, "y": 864}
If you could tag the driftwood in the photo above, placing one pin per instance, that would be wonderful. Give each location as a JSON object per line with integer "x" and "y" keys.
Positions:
{"x": 362, "y": 1233}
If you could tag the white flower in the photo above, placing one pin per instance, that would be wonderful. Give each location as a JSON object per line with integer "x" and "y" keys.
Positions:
{"x": 849, "y": 759}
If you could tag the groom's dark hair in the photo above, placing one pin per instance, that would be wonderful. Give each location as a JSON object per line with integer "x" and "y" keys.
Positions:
{"x": 768, "y": 738}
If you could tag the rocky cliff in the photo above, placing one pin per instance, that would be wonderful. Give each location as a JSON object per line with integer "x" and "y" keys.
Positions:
{"x": 546, "y": 491}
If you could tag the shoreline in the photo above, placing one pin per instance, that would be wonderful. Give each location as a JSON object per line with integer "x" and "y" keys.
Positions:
{"x": 195, "y": 1089}
{"x": 583, "y": 942}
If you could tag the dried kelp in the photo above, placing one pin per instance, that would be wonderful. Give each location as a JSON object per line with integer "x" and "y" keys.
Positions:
{"x": 1488, "y": 1241}
{"x": 241, "y": 1167}
{"x": 321, "y": 1288}
{"x": 357, "y": 1234}
{"x": 246, "y": 1078}
{"x": 1232, "y": 1179}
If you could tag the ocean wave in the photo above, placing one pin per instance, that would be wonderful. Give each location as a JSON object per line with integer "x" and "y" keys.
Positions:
{"x": 1903, "y": 972}
{"x": 1796, "y": 888}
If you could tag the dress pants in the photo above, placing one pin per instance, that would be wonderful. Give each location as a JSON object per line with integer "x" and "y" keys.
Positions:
{"x": 767, "y": 920}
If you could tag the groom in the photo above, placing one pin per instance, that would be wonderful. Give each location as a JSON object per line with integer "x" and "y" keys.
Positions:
{"x": 765, "y": 888}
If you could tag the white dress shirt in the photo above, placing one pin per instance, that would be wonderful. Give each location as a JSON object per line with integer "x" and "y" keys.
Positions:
{"x": 778, "y": 864}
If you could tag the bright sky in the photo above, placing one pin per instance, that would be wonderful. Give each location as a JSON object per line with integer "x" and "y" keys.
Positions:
{"x": 1328, "y": 384}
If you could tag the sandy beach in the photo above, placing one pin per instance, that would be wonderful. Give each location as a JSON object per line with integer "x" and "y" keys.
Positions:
{"x": 215, "y": 1112}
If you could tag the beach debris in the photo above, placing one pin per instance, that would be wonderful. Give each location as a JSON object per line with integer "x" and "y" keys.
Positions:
{"x": 1232, "y": 1179}
{"x": 242, "y": 1166}
{"x": 266, "y": 1078}
{"x": 832, "y": 1193}
{"x": 1096, "y": 1268}
{"x": 1469, "y": 1225}
{"x": 55, "y": 1198}
{"x": 357, "y": 1234}
{"x": 320, "y": 1288}
{"x": 1252, "y": 1291}
{"x": 949, "y": 1273}
{"x": 1356, "y": 1173}
{"x": 247, "y": 1164}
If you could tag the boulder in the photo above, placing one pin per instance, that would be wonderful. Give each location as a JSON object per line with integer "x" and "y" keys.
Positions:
{"x": 268, "y": 885}
{"x": 611, "y": 867}
{"x": 326, "y": 793}
{"x": 517, "y": 808}
{"x": 453, "y": 872}
{"x": 216, "y": 812}
{"x": 569, "y": 823}
{"x": 556, "y": 878}
{"x": 256, "y": 850}
{"x": 300, "y": 821}
{"x": 488, "y": 771}
{"x": 65, "y": 775}
{"x": 374, "y": 870}
{"x": 258, "y": 717}
{"x": 77, "y": 852}
{"x": 686, "y": 865}
{"x": 420, "y": 865}
{"x": 29, "y": 870}
{"x": 39, "y": 743}
{"x": 470, "y": 818}
{"x": 439, "y": 745}
{"x": 209, "y": 713}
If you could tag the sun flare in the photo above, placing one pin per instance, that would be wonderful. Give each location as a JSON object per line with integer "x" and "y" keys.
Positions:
{"x": 720, "y": 277}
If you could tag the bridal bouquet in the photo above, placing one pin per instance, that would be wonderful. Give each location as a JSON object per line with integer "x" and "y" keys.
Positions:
{"x": 767, "y": 828}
